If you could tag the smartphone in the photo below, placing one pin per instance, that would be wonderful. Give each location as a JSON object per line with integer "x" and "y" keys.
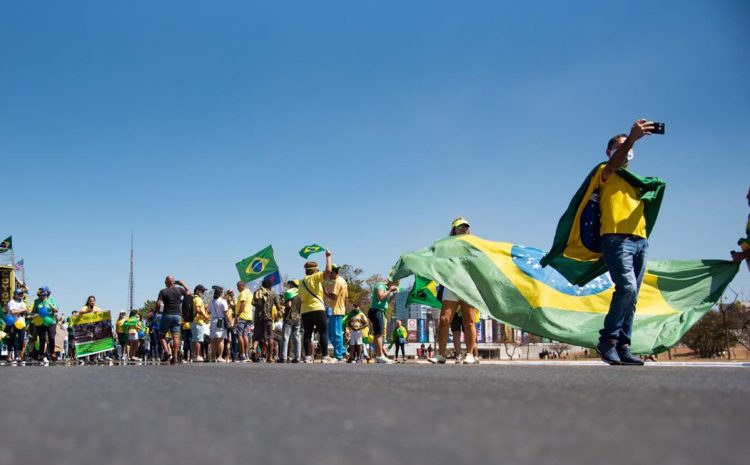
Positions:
{"x": 658, "y": 128}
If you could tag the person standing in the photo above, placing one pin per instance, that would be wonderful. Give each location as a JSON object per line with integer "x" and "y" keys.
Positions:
{"x": 217, "y": 309}
{"x": 17, "y": 331}
{"x": 244, "y": 315}
{"x": 744, "y": 243}
{"x": 199, "y": 325}
{"x": 356, "y": 323}
{"x": 313, "y": 310}
{"x": 291, "y": 326}
{"x": 624, "y": 246}
{"x": 46, "y": 309}
{"x": 382, "y": 294}
{"x": 266, "y": 304}
{"x": 398, "y": 338}
{"x": 231, "y": 345}
{"x": 169, "y": 302}
{"x": 451, "y": 305}
{"x": 337, "y": 296}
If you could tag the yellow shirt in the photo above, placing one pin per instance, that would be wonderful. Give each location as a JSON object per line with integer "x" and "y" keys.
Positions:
{"x": 199, "y": 308}
{"x": 311, "y": 302}
{"x": 85, "y": 309}
{"x": 247, "y": 297}
{"x": 342, "y": 292}
{"x": 621, "y": 207}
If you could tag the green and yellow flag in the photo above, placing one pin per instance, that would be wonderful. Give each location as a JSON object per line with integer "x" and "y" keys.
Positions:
{"x": 6, "y": 245}
{"x": 508, "y": 282}
{"x": 424, "y": 292}
{"x": 577, "y": 251}
{"x": 258, "y": 265}
{"x": 308, "y": 250}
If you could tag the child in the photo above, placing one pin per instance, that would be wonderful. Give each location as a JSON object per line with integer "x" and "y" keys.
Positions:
{"x": 355, "y": 322}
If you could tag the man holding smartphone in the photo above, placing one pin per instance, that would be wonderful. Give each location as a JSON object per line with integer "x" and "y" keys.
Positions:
{"x": 624, "y": 245}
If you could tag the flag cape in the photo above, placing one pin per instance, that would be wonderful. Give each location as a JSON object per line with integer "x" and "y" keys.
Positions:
{"x": 576, "y": 250}
{"x": 6, "y": 245}
{"x": 308, "y": 250}
{"x": 257, "y": 266}
{"x": 424, "y": 292}
{"x": 507, "y": 282}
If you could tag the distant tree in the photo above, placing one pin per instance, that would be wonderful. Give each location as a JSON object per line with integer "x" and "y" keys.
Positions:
{"x": 559, "y": 348}
{"x": 357, "y": 287}
{"x": 708, "y": 337}
{"x": 148, "y": 306}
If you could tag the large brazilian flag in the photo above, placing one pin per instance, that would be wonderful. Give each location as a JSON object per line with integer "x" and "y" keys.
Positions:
{"x": 576, "y": 250}
{"x": 507, "y": 282}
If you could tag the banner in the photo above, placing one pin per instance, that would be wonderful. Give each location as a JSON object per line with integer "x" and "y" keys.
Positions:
{"x": 411, "y": 330}
{"x": 92, "y": 333}
{"x": 421, "y": 330}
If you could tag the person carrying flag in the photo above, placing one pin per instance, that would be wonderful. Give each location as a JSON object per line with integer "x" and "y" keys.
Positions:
{"x": 382, "y": 294}
{"x": 624, "y": 246}
{"x": 744, "y": 243}
{"x": 312, "y": 308}
{"x": 451, "y": 304}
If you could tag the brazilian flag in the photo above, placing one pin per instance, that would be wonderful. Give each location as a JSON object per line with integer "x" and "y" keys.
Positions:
{"x": 424, "y": 292}
{"x": 508, "y": 282}
{"x": 308, "y": 250}
{"x": 6, "y": 245}
{"x": 577, "y": 251}
{"x": 258, "y": 265}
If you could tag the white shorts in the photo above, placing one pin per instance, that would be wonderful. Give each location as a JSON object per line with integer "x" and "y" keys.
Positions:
{"x": 216, "y": 332}
{"x": 199, "y": 331}
{"x": 355, "y": 338}
{"x": 448, "y": 295}
{"x": 132, "y": 336}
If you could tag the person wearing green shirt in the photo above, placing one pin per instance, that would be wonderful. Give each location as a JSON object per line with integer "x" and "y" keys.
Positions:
{"x": 382, "y": 294}
{"x": 44, "y": 311}
{"x": 398, "y": 338}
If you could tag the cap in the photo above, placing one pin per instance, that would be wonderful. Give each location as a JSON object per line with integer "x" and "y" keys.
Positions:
{"x": 458, "y": 222}
{"x": 18, "y": 291}
{"x": 44, "y": 289}
{"x": 310, "y": 265}
{"x": 335, "y": 268}
{"x": 293, "y": 282}
{"x": 200, "y": 287}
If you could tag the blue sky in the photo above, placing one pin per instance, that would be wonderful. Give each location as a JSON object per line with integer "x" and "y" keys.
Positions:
{"x": 211, "y": 129}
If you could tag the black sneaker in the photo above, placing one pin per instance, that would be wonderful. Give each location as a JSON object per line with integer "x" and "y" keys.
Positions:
{"x": 627, "y": 357}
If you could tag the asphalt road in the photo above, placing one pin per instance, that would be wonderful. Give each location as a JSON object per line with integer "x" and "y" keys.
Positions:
{"x": 354, "y": 414}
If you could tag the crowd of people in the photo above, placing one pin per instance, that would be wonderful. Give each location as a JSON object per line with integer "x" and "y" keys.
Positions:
{"x": 262, "y": 326}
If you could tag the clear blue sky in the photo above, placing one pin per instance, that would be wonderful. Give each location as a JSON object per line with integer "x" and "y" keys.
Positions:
{"x": 211, "y": 129}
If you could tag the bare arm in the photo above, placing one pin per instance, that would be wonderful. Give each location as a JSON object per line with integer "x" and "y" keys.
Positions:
{"x": 639, "y": 129}
{"x": 329, "y": 266}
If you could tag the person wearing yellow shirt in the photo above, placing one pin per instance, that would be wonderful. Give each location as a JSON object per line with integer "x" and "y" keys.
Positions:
{"x": 244, "y": 318}
{"x": 337, "y": 297}
{"x": 312, "y": 308}
{"x": 624, "y": 246}
{"x": 199, "y": 325}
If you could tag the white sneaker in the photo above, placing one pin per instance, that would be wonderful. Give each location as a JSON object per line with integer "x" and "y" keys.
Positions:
{"x": 383, "y": 359}
{"x": 327, "y": 360}
{"x": 308, "y": 359}
{"x": 439, "y": 359}
{"x": 198, "y": 359}
{"x": 45, "y": 362}
{"x": 470, "y": 360}
{"x": 459, "y": 359}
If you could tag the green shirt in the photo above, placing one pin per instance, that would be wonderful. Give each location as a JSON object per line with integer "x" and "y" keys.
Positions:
{"x": 49, "y": 303}
{"x": 381, "y": 305}
{"x": 398, "y": 333}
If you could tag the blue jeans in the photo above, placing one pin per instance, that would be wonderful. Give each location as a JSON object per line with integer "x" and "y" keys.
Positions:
{"x": 291, "y": 331}
{"x": 336, "y": 335}
{"x": 625, "y": 256}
